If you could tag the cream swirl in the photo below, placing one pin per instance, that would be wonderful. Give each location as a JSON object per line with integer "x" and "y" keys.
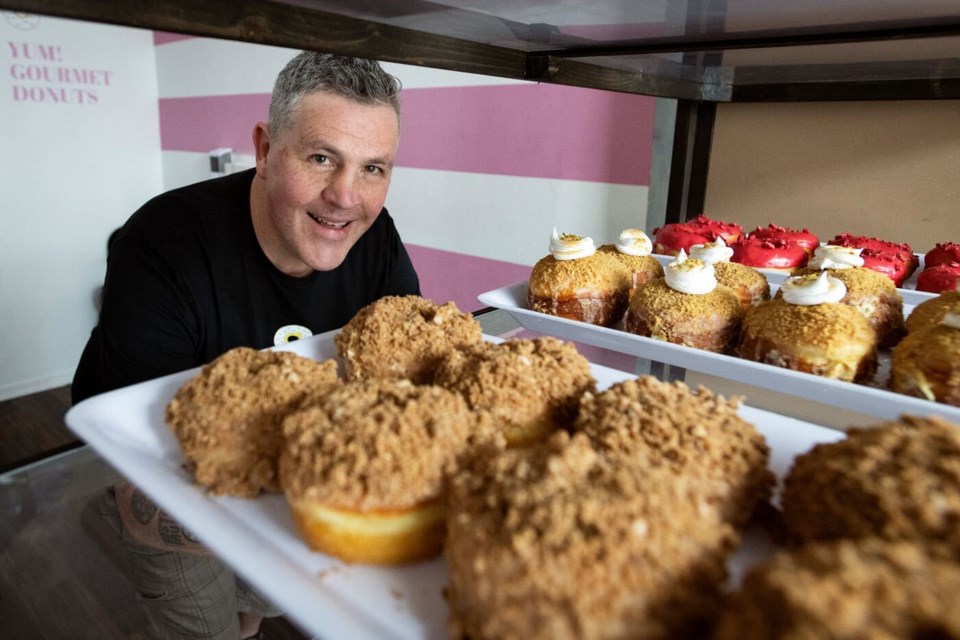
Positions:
{"x": 712, "y": 252}
{"x": 831, "y": 256}
{"x": 813, "y": 289}
{"x": 570, "y": 246}
{"x": 690, "y": 275}
{"x": 634, "y": 242}
{"x": 951, "y": 319}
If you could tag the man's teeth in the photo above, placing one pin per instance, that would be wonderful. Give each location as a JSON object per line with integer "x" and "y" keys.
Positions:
{"x": 332, "y": 225}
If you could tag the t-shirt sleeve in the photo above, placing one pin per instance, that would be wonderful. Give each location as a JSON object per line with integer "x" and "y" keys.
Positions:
{"x": 148, "y": 325}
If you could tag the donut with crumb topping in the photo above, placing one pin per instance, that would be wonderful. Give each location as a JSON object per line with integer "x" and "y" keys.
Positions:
{"x": 846, "y": 591}
{"x": 593, "y": 289}
{"x": 897, "y": 480}
{"x": 750, "y": 285}
{"x": 555, "y": 541}
{"x": 228, "y": 417}
{"x": 926, "y": 364}
{"x": 832, "y": 340}
{"x": 363, "y": 468}
{"x": 873, "y": 295}
{"x": 691, "y": 432}
{"x": 642, "y": 269}
{"x": 931, "y": 312}
{"x": 403, "y": 337}
{"x": 529, "y": 387}
{"x": 710, "y": 321}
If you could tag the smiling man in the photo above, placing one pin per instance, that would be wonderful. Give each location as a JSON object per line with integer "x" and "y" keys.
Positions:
{"x": 290, "y": 249}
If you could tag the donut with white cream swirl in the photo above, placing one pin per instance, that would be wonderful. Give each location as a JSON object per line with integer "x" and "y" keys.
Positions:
{"x": 690, "y": 275}
{"x": 813, "y": 289}
{"x": 569, "y": 246}
{"x": 634, "y": 242}
{"x": 712, "y": 252}
{"x": 831, "y": 256}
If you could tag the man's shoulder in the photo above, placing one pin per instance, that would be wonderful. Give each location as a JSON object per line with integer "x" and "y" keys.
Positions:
{"x": 190, "y": 209}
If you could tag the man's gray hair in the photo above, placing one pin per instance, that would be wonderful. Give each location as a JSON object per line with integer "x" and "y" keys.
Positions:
{"x": 356, "y": 79}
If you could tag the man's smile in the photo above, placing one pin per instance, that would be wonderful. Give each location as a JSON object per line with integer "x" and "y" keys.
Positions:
{"x": 327, "y": 223}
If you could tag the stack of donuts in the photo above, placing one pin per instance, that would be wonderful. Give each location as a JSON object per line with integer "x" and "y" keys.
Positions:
{"x": 838, "y": 310}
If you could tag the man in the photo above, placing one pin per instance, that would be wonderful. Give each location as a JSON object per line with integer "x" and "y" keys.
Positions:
{"x": 295, "y": 247}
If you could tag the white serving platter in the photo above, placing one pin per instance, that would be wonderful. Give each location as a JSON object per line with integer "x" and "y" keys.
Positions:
{"x": 257, "y": 537}
{"x": 854, "y": 397}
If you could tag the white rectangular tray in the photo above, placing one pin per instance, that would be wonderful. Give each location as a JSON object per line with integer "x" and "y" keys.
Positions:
{"x": 855, "y": 397}
{"x": 257, "y": 537}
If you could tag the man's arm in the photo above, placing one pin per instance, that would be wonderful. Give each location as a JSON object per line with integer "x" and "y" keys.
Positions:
{"x": 151, "y": 526}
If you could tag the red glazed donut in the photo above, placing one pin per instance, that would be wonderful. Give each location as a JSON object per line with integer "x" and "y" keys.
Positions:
{"x": 803, "y": 237}
{"x": 777, "y": 255}
{"x": 671, "y": 238}
{"x": 875, "y": 246}
{"x": 942, "y": 277}
{"x": 943, "y": 253}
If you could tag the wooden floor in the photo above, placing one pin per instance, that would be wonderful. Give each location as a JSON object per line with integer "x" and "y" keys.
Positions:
{"x": 61, "y": 573}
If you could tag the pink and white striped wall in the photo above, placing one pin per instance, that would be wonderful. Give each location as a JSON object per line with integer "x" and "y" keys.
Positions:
{"x": 486, "y": 167}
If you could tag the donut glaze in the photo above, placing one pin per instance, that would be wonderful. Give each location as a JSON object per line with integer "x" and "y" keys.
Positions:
{"x": 943, "y": 253}
{"x": 769, "y": 254}
{"x": 876, "y": 246}
{"x": 803, "y": 237}
{"x": 942, "y": 277}
{"x": 671, "y": 238}
{"x": 887, "y": 264}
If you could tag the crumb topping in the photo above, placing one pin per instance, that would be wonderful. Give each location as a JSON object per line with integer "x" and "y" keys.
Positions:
{"x": 556, "y": 534}
{"x": 655, "y": 298}
{"x": 376, "y": 445}
{"x": 896, "y": 480}
{"x": 691, "y": 432}
{"x": 520, "y": 381}
{"x": 403, "y": 337}
{"x": 636, "y": 264}
{"x": 563, "y": 279}
{"x": 830, "y": 326}
{"x": 861, "y": 281}
{"x": 227, "y": 418}
{"x": 736, "y": 276}
{"x": 931, "y": 312}
{"x": 864, "y": 589}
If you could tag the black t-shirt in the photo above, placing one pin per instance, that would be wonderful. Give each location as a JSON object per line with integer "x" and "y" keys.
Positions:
{"x": 187, "y": 280}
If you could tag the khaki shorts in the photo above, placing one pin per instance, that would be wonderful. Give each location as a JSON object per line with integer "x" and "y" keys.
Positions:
{"x": 192, "y": 596}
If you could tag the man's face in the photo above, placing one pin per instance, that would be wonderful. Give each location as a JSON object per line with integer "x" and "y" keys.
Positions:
{"x": 322, "y": 182}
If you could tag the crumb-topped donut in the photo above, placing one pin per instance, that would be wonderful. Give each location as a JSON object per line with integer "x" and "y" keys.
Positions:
{"x": 227, "y": 418}
{"x": 403, "y": 337}
{"x": 931, "y": 312}
{"x": 578, "y": 282}
{"x": 687, "y": 306}
{"x": 943, "y": 277}
{"x": 750, "y": 285}
{"x": 690, "y": 432}
{"x": 772, "y": 254}
{"x": 803, "y": 237}
{"x": 868, "y": 291}
{"x": 633, "y": 249}
{"x": 555, "y": 541}
{"x": 529, "y": 387}
{"x": 846, "y": 591}
{"x": 942, "y": 253}
{"x": 926, "y": 363}
{"x": 894, "y": 480}
{"x": 895, "y": 260}
{"x": 671, "y": 238}
{"x": 807, "y": 329}
{"x": 364, "y": 466}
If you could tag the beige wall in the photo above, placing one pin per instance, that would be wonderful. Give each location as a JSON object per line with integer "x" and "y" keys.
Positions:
{"x": 886, "y": 169}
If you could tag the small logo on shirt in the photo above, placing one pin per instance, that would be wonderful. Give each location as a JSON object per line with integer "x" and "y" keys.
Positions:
{"x": 290, "y": 333}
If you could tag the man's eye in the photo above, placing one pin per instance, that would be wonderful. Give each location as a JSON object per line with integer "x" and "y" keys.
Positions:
{"x": 319, "y": 158}
{"x": 372, "y": 168}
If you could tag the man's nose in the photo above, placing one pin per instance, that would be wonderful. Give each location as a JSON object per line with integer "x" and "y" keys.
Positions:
{"x": 342, "y": 189}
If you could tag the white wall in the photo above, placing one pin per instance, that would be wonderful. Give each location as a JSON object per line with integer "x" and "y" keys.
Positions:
{"x": 79, "y": 151}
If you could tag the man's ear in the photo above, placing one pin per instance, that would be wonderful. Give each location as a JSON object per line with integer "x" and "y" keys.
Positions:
{"x": 261, "y": 146}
